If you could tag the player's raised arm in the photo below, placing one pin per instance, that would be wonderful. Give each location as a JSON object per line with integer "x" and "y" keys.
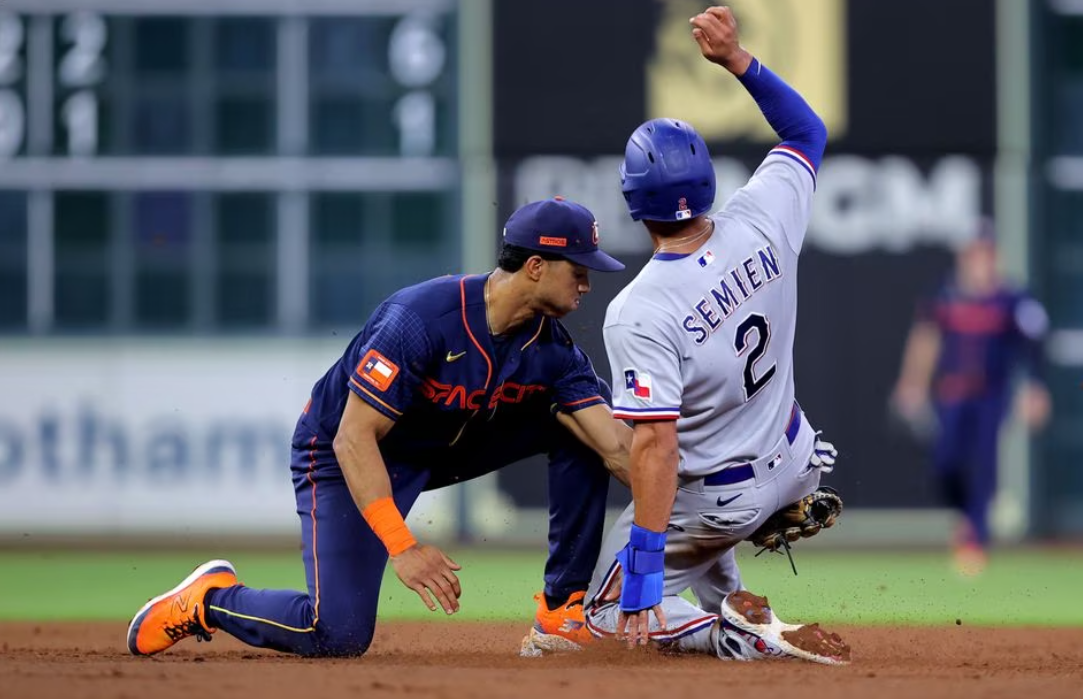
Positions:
{"x": 799, "y": 127}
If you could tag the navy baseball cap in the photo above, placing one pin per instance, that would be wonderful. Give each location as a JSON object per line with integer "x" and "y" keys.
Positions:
{"x": 560, "y": 227}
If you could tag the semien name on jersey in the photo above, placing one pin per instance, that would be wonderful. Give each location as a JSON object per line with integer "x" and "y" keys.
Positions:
{"x": 733, "y": 288}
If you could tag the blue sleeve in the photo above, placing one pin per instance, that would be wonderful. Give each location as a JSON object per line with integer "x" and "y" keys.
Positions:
{"x": 390, "y": 360}
{"x": 577, "y": 387}
{"x": 787, "y": 112}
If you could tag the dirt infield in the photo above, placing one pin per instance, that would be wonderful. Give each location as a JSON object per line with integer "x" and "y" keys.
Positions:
{"x": 460, "y": 660}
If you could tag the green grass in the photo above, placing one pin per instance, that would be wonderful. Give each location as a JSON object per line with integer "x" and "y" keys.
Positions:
{"x": 896, "y": 588}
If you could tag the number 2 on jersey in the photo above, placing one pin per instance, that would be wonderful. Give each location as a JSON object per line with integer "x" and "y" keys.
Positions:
{"x": 741, "y": 343}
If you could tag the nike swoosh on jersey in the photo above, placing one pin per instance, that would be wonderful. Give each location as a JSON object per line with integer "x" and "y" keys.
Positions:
{"x": 452, "y": 357}
{"x": 723, "y": 503}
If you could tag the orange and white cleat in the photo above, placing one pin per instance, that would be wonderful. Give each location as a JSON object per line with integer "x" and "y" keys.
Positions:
{"x": 179, "y": 613}
{"x": 970, "y": 560}
{"x": 557, "y": 630}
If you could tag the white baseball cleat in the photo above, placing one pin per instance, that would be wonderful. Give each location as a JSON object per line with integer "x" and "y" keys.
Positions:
{"x": 749, "y": 630}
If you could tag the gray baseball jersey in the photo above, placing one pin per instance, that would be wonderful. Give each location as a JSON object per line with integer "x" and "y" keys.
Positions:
{"x": 707, "y": 339}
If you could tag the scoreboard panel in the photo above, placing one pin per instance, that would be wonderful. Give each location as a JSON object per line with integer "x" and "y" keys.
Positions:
{"x": 253, "y": 165}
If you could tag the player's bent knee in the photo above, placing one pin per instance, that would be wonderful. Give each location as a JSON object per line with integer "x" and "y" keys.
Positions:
{"x": 342, "y": 641}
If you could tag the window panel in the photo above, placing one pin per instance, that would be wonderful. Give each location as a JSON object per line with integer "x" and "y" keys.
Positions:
{"x": 1072, "y": 43}
{"x": 1069, "y": 116}
{"x": 82, "y": 294}
{"x": 13, "y": 271}
{"x": 162, "y": 298}
{"x": 338, "y": 126}
{"x": 245, "y": 125}
{"x": 161, "y": 238}
{"x": 420, "y": 218}
{"x": 81, "y": 221}
{"x": 12, "y": 219}
{"x": 345, "y": 49}
{"x": 245, "y": 298}
{"x": 1063, "y": 273}
{"x": 161, "y": 45}
{"x": 245, "y": 218}
{"x": 84, "y": 275}
{"x": 338, "y": 218}
{"x": 13, "y": 299}
{"x": 245, "y": 248}
{"x": 339, "y": 293}
{"x": 244, "y": 45}
{"x": 162, "y": 125}
{"x": 163, "y": 222}
{"x": 342, "y": 262}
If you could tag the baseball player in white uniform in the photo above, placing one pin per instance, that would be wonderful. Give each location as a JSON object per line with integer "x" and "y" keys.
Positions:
{"x": 701, "y": 347}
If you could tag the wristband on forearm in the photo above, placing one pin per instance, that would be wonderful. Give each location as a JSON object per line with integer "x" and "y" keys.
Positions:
{"x": 643, "y": 560}
{"x": 386, "y": 522}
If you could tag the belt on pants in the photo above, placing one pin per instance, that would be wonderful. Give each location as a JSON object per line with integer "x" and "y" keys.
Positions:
{"x": 736, "y": 474}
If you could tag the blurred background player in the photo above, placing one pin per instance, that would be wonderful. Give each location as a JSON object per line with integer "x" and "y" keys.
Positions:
{"x": 449, "y": 380}
{"x": 957, "y": 380}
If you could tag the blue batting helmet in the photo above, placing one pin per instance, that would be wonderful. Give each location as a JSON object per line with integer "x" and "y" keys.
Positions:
{"x": 667, "y": 173}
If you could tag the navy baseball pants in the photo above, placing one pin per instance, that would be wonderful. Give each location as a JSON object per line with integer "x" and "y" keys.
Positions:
{"x": 965, "y": 458}
{"x": 344, "y": 560}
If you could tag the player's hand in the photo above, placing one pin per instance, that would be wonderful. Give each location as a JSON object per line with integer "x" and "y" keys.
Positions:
{"x": 910, "y": 401}
{"x": 426, "y": 569}
{"x": 1033, "y": 405}
{"x": 634, "y": 627}
{"x": 715, "y": 30}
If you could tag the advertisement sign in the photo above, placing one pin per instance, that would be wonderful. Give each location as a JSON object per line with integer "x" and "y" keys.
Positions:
{"x": 147, "y": 437}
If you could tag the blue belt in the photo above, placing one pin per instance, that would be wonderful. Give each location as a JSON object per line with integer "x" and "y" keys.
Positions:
{"x": 736, "y": 474}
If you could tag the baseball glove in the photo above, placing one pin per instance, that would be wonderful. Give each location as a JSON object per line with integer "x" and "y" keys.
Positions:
{"x": 802, "y": 519}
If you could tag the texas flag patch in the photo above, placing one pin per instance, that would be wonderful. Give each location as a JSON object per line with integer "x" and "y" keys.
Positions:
{"x": 378, "y": 370}
{"x": 638, "y": 384}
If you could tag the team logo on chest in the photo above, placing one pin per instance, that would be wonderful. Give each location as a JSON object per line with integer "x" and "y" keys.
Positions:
{"x": 638, "y": 384}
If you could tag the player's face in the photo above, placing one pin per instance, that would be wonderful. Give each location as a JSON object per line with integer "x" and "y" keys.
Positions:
{"x": 562, "y": 285}
{"x": 978, "y": 265}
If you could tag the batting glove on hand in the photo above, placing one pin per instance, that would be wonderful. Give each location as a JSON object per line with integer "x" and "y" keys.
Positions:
{"x": 823, "y": 455}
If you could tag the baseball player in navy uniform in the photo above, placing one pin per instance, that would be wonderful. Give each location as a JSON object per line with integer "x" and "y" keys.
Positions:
{"x": 958, "y": 369}
{"x": 448, "y": 380}
{"x": 701, "y": 348}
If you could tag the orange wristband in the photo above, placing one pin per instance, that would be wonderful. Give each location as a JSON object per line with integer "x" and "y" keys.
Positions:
{"x": 387, "y": 523}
